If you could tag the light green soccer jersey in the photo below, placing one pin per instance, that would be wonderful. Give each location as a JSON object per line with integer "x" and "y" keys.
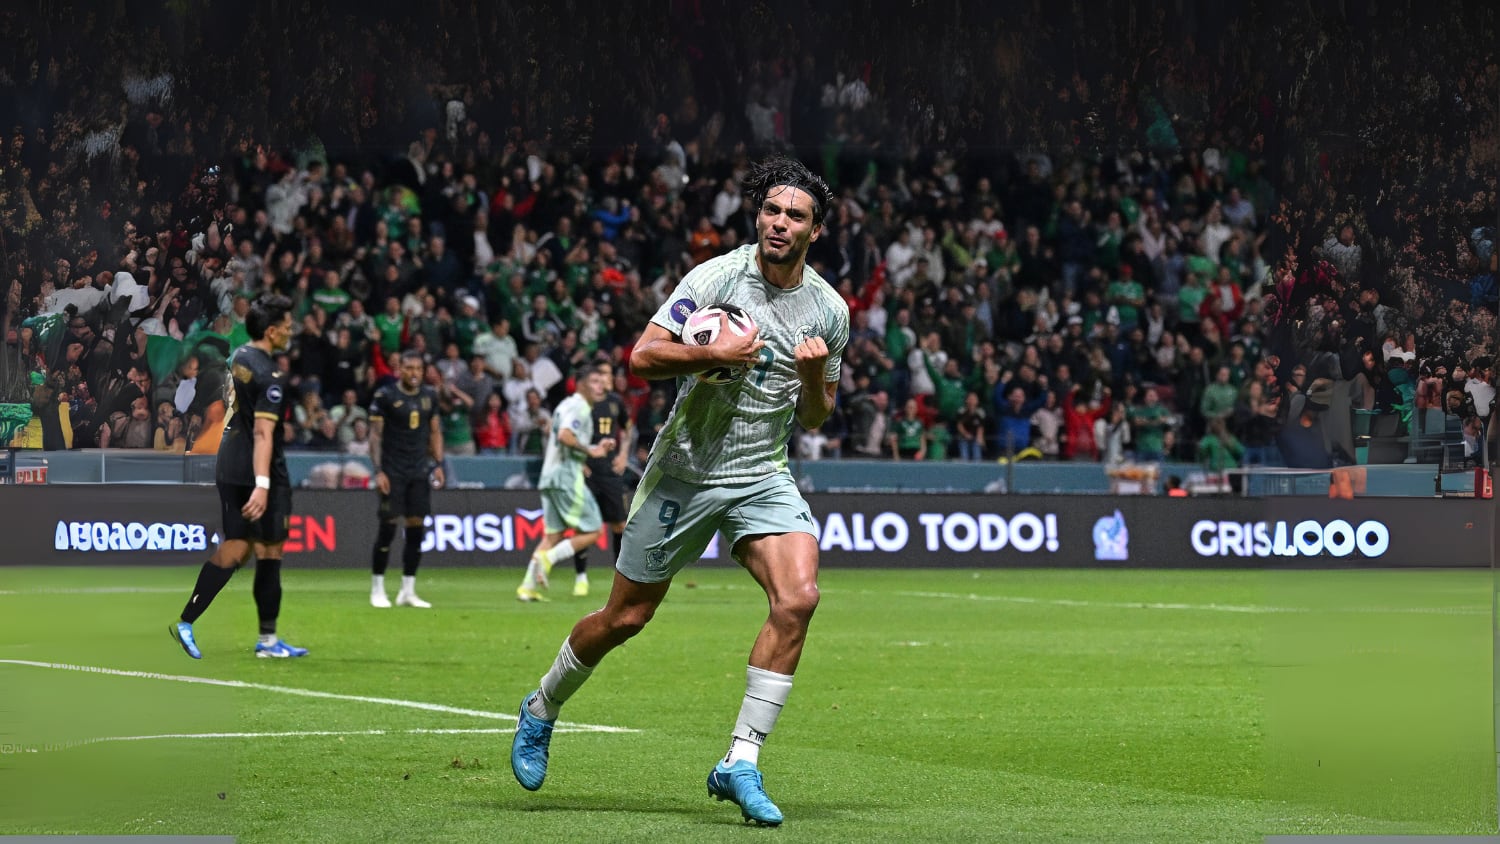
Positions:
{"x": 737, "y": 433}
{"x": 562, "y": 467}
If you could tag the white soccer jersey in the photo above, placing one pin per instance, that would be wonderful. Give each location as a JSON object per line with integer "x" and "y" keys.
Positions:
{"x": 737, "y": 433}
{"x": 562, "y": 468}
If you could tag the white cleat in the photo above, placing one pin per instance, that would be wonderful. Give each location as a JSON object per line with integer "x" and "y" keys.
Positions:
{"x": 410, "y": 599}
{"x": 379, "y": 599}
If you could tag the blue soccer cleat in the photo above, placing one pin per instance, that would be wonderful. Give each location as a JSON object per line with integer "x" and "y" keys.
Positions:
{"x": 741, "y": 785}
{"x": 528, "y": 750}
{"x": 182, "y": 633}
{"x": 279, "y": 650}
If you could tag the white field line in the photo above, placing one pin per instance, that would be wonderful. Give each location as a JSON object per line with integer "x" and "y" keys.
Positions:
{"x": 288, "y": 690}
{"x": 72, "y": 743}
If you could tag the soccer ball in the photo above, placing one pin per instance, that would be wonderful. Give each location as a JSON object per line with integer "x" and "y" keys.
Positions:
{"x": 702, "y": 328}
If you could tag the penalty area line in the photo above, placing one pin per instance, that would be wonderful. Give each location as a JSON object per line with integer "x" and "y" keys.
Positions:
{"x": 290, "y": 690}
{"x": 430, "y": 731}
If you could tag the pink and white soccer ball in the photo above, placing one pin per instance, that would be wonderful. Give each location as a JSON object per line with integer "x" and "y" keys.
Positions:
{"x": 702, "y": 328}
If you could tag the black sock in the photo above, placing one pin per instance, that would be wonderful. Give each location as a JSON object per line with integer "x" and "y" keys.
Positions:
{"x": 619, "y": 537}
{"x": 381, "y": 556}
{"x": 580, "y": 561}
{"x": 210, "y": 580}
{"x": 268, "y": 594}
{"x": 411, "y": 552}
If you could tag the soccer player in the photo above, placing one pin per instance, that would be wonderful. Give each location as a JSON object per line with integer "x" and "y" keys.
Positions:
{"x": 408, "y": 457}
{"x": 720, "y": 464}
{"x": 606, "y": 475}
{"x": 566, "y": 500}
{"x": 255, "y": 491}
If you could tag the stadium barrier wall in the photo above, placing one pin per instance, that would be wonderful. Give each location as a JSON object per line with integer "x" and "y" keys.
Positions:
{"x": 92, "y": 466}
{"x": 161, "y": 524}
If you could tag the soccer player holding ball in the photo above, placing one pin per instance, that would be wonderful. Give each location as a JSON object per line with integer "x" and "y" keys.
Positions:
{"x": 720, "y": 464}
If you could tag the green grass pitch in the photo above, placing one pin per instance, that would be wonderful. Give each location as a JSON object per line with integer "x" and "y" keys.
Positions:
{"x": 941, "y": 705}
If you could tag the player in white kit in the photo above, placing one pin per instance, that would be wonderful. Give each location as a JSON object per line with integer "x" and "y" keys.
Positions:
{"x": 720, "y": 464}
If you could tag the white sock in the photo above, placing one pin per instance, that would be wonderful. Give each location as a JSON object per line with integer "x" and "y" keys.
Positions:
{"x": 268, "y": 638}
{"x": 765, "y": 695}
{"x": 409, "y": 584}
{"x": 582, "y": 576}
{"x": 561, "y": 552}
{"x": 560, "y": 682}
{"x": 377, "y": 583}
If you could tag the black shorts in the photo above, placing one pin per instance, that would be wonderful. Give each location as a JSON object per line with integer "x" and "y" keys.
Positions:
{"x": 609, "y": 492}
{"x": 270, "y": 528}
{"x": 409, "y": 498}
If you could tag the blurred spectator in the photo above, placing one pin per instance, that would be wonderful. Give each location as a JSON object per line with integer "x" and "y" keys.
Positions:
{"x": 970, "y": 426}
{"x": 907, "y": 439}
{"x": 358, "y": 444}
{"x": 1219, "y": 449}
{"x": 346, "y": 414}
{"x": 492, "y": 426}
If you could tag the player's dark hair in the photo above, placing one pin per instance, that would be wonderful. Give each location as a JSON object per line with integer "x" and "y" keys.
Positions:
{"x": 267, "y": 310}
{"x": 778, "y": 171}
{"x": 413, "y": 354}
{"x": 584, "y": 370}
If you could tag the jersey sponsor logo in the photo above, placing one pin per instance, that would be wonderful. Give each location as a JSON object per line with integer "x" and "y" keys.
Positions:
{"x": 273, "y": 393}
{"x": 682, "y": 309}
{"x": 131, "y": 536}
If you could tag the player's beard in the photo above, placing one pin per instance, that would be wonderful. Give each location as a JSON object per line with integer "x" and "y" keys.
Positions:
{"x": 789, "y": 255}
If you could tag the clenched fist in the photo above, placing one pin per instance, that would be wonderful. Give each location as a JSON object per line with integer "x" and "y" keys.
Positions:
{"x": 812, "y": 360}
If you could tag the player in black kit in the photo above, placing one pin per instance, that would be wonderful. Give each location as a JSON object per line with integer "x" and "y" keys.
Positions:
{"x": 255, "y": 491}
{"x": 606, "y": 475}
{"x": 406, "y": 446}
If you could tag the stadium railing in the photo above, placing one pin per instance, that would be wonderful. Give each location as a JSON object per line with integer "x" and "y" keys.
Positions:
{"x": 329, "y": 471}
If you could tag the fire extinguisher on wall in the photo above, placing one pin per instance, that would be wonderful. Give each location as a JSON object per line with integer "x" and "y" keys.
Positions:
{"x": 1484, "y": 484}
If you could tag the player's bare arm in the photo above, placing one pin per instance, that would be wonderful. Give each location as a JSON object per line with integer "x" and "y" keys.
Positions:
{"x": 622, "y": 459}
{"x": 434, "y": 450}
{"x": 660, "y": 354}
{"x": 601, "y": 448}
{"x": 265, "y": 439}
{"x": 815, "y": 401}
{"x": 377, "y": 429}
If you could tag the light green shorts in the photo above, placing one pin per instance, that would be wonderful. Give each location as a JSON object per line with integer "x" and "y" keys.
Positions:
{"x": 564, "y": 508}
{"x": 672, "y": 521}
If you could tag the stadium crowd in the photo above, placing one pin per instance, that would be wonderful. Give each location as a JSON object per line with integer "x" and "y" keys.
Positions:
{"x": 1097, "y": 266}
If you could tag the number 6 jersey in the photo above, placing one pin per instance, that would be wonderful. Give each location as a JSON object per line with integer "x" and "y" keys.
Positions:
{"x": 407, "y": 431}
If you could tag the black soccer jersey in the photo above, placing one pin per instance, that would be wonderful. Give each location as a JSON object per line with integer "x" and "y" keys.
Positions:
{"x": 259, "y": 393}
{"x": 407, "y": 431}
{"x": 611, "y": 419}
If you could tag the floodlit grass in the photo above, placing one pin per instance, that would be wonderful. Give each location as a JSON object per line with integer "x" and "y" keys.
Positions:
{"x": 930, "y": 705}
